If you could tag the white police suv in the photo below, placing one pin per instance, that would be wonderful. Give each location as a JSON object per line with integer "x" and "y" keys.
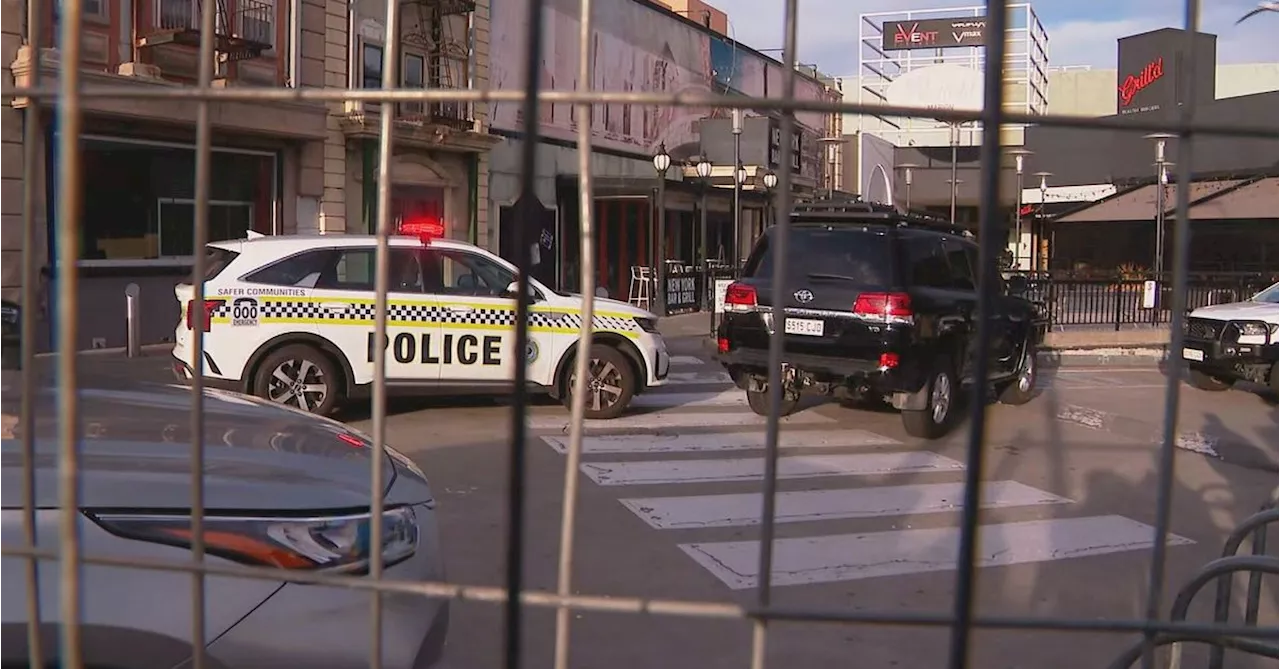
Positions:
{"x": 290, "y": 319}
{"x": 1225, "y": 343}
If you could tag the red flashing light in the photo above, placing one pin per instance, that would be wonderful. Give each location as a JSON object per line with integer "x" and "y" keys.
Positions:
{"x": 722, "y": 345}
{"x": 888, "y": 360}
{"x": 425, "y": 229}
{"x": 883, "y": 304}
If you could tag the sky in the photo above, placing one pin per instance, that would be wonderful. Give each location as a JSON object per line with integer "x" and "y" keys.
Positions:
{"x": 1081, "y": 32}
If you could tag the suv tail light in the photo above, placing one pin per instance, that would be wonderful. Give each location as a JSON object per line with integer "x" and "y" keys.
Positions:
{"x": 206, "y": 318}
{"x": 884, "y": 307}
{"x": 740, "y": 297}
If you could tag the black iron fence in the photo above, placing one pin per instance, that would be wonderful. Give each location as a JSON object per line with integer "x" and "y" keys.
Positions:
{"x": 1123, "y": 302}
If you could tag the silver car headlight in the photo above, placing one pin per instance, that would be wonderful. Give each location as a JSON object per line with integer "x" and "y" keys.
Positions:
{"x": 330, "y": 543}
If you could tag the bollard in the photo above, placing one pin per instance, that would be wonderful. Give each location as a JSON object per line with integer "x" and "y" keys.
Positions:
{"x": 131, "y": 320}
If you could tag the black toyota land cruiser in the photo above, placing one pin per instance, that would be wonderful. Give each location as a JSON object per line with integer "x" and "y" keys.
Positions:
{"x": 880, "y": 306}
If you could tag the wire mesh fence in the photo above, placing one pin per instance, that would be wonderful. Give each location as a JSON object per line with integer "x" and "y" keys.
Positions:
{"x": 1154, "y": 628}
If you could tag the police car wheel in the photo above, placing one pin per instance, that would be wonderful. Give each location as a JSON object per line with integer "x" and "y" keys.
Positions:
{"x": 298, "y": 376}
{"x": 611, "y": 383}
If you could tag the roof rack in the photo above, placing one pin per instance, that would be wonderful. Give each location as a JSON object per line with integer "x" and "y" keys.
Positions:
{"x": 855, "y": 210}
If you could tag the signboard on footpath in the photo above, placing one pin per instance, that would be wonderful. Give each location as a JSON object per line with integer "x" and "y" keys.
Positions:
{"x": 722, "y": 286}
{"x": 681, "y": 293}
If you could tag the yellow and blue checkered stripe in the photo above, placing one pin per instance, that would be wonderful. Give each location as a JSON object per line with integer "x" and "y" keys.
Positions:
{"x": 309, "y": 311}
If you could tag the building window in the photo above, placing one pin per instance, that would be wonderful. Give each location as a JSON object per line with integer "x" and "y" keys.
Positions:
{"x": 139, "y": 199}
{"x": 93, "y": 9}
{"x": 255, "y": 20}
{"x": 371, "y": 66}
{"x": 415, "y": 76}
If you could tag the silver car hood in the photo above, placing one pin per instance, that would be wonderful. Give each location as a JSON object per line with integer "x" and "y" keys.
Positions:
{"x": 135, "y": 453}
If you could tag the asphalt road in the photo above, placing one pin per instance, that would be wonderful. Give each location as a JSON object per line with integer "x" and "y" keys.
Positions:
{"x": 868, "y": 518}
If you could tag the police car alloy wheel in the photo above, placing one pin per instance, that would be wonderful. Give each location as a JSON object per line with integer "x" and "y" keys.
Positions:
{"x": 298, "y": 376}
{"x": 611, "y": 383}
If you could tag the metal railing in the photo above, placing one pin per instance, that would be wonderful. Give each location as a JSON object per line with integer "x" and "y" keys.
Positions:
{"x": 252, "y": 20}
{"x": 761, "y": 611}
{"x": 1117, "y": 304}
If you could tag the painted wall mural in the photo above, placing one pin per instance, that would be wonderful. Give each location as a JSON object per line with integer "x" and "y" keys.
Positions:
{"x": 636, "y": 48}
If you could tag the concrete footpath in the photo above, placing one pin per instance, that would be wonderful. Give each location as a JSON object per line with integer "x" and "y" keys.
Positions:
{"x": 1076, "y": 348}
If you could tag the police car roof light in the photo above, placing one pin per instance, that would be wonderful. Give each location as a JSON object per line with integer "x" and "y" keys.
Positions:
{"x": 425, "y": 230}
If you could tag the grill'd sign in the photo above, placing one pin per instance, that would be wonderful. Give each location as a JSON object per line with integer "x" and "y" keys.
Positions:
{"x": 934, "y": 33}
{"x": 1136, "y": 83}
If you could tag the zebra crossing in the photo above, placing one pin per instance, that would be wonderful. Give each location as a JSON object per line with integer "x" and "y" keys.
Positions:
{"x": 688, "y": 462}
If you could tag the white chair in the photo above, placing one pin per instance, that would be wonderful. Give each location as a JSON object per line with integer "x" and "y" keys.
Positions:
{"x": 640, "y": 293}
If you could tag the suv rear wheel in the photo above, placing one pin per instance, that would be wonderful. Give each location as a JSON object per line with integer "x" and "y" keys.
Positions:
{"x": 758, "y": 400}
{"x": 299, "y": 376}
{"x": 1022, "y": 387}
{"x": 941, "y": 393}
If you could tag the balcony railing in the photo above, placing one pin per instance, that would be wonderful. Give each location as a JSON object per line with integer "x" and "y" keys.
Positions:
{"x": 249, "y": 27}
{"x": 452, "y": 114}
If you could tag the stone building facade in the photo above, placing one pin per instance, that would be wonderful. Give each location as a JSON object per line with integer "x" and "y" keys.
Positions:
{"x": 279, "y": 167}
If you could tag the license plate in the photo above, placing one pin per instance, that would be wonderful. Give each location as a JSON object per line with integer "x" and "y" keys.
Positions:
{"x": 804, "y": 326}
{"x": 1193, "y": 354}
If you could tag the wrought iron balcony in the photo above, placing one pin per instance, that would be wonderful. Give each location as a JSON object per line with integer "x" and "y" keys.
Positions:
{"x": 243, "y": 32}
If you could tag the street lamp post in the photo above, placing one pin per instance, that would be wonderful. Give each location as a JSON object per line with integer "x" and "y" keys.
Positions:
{"x": 739, "y": 180}
{"x": 661, "y": 163}
{"x": 1162, "y": 179}
{"x": 703, "y": 169}
{"x": 1036, "y": 240}
{"x": 1019, "y": 158}
{"x": 737, "y": 183}
{"x": 955, "y": 185}
{"x": 907, "y": 170}
{"x": 955, "y": 147}
{"x": 770, "y": 180}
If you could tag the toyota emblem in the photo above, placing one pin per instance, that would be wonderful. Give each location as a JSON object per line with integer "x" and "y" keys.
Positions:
{"x": 803, "y": 296}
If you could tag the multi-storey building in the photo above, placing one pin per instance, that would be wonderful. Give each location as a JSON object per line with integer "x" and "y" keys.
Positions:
{"x": 642, "y": 46}
{"x": 278, "y": 166}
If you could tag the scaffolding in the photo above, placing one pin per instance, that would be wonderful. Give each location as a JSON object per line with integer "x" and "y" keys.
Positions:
{"x": 1026, "y": 73}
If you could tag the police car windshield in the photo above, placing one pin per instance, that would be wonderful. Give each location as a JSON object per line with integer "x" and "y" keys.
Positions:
{"x": 1271, "y": 295}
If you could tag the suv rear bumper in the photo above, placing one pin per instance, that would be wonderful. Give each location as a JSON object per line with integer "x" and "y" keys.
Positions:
{"x": 828, "y": 369}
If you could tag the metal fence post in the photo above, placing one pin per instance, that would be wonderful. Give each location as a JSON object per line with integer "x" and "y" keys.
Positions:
{"x": 132, "y": 319}
{"x": 1119, "y": 300}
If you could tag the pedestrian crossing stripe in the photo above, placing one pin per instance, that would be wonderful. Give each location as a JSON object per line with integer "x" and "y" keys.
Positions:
{"x": 848, "y": 557}
{"x": 722, "y": 441}
{"x": 482, "y": 316}
{"x": 829, "y": 554}
{"x": 648, "y": 472}
{"x": 795, "y": 506}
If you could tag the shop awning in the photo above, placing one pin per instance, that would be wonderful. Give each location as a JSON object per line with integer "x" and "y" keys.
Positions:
{"x": 1257, "y": 200}
{"x": 1135, "y": 204}
{"x": 1139, "y": 204}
